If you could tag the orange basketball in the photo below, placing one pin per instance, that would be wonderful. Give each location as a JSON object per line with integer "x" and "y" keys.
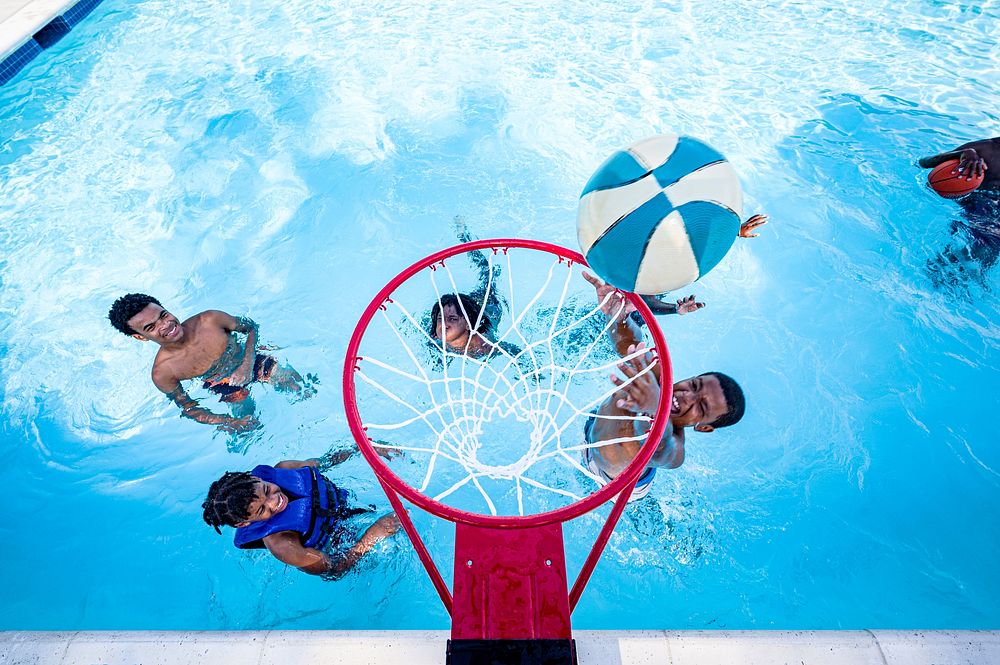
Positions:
{"x": 951, "y": 185}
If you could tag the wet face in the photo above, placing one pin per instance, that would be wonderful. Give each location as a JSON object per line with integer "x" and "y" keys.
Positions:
{"x": 452, "y": 326}
{"x": 270, "y": 501}
{"x": 157, "y": 325}
{"x": 697, "y": 402}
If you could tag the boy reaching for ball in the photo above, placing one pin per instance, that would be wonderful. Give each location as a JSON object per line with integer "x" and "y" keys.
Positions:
{"x": 704, "y": 403}
{"x": 689, "y": 304}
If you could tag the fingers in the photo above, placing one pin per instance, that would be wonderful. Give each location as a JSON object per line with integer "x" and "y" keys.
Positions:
{"x": 627, "y": 404}
{"x": 592, "y": 279}
{"x": 751, "y": 224}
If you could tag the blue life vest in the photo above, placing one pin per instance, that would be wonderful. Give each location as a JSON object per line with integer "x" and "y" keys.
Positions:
{"x": 315, "y": 506}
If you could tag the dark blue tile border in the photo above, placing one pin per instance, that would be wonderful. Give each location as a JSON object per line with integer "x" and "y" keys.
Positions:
{"x": 51, "y": 33}
{"x": 79, "y": 11}
{"x": 14, "y": 62}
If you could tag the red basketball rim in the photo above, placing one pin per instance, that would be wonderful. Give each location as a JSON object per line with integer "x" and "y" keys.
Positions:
{"x": 434, "y": 507}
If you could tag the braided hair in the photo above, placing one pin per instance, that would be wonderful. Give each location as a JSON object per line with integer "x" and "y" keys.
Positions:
{"x": 229, "y": 499}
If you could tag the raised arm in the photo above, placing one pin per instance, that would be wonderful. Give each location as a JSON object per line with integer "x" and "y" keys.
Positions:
{"x": 639, "y": 393}
{"x": 625, "y": 331}
{"x": 487, "y": 291}
{"x": 682, "y": 306}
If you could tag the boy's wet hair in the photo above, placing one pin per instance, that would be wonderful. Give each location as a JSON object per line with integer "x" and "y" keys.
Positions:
{"x": 229, "y": 500}
{"x": 126, "y": 307}
{"x": 460, "y": 301}
{"x": 735, "y": 401}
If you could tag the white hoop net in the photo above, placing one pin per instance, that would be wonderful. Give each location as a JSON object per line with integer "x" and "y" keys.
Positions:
{"x": 494, "y": 426}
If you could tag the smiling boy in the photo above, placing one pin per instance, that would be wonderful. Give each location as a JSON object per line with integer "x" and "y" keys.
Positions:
{"x": 294, "y": 512}
{"x": 206, "y": 347}
{"x": 704, "y": 403}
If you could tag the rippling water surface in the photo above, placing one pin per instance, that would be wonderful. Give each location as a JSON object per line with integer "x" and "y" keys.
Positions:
{"x": 284, "y": 160}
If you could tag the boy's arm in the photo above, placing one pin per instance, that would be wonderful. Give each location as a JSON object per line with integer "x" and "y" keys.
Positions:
{"x": 625, "y": 332}
{"x": 296, "y": 464}
{"x": 334, "y": 457}
{"x": 670, "y": 453}
{"x": 383, "y": 527}
{"x": 245, "y": 326}
{"x": 972, "y": 157}
{"x": 172, "y": 388}
{"x": 658, "y": 307}
{"x": 287, "y": 548}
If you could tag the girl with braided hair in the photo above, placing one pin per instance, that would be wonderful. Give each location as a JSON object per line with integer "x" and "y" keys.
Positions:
{"x": 294, "y": 512}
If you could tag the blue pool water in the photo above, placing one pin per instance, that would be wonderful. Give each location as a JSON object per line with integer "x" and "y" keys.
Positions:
{"x": 284, "y": 160}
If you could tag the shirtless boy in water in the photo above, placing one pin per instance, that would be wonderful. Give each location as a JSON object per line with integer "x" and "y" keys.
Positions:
{"x": 205, "y": 347}
{"x": 704, "y": 402}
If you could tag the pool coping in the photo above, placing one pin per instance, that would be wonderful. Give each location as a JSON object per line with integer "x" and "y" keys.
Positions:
{"x": 34, "y": 27}
{"x": 647, "y": 647}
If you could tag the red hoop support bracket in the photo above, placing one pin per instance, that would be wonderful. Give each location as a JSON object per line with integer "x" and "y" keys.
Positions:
{"x": 478, "y": 534}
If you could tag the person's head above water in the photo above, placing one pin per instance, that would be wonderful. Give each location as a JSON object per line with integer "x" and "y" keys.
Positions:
{"x": 707, "y": 401}
{"x": 239, "y": 499}
{"x": 450, "y": 322}
{"x": 143, "y": 317}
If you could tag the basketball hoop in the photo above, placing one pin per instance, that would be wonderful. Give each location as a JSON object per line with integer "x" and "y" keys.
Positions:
{"x": 510, "y": 581}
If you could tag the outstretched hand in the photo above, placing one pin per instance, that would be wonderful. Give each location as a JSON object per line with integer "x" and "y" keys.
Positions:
{"x": 970, "y": 165}
{"x": 748, "y": 226}
{"x": 611, "y": 306}
{"x": 688, "y": 305}
{"x": 639, "y": 392}
{"x": 239, "y": 425}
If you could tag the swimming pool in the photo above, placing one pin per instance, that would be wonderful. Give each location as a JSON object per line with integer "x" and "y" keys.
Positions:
{"x": 258, "y": 157}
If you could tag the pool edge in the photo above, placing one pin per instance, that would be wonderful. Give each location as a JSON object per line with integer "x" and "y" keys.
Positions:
{"x": 36, "y": 26}
{"x": 856, "y": 647}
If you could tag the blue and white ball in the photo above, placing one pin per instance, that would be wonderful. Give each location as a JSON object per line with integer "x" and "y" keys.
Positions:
{"x": 659, "y": 214}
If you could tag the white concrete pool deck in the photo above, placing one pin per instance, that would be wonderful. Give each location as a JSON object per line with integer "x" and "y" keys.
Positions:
{"x": 864, "y": 647}
{"x": 20, "y": 19}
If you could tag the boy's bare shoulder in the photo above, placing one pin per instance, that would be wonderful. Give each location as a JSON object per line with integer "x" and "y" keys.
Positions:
{"x": 163, "y": 375}
{"x": 209, "y": 316}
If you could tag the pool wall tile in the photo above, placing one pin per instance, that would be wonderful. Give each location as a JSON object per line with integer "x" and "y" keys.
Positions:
{"x": 16, "y": 61}
{"x": 39, "y": 25}
{"x": 56, "y": 29}
{"x": 79, "y": 11}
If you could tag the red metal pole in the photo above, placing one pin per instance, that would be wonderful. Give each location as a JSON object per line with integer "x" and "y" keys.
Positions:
{"x": 418, "y": 545}
{"x": 602, "y": 540}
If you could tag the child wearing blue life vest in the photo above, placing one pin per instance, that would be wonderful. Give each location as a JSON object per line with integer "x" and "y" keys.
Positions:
{"x": 294, "y": 512}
